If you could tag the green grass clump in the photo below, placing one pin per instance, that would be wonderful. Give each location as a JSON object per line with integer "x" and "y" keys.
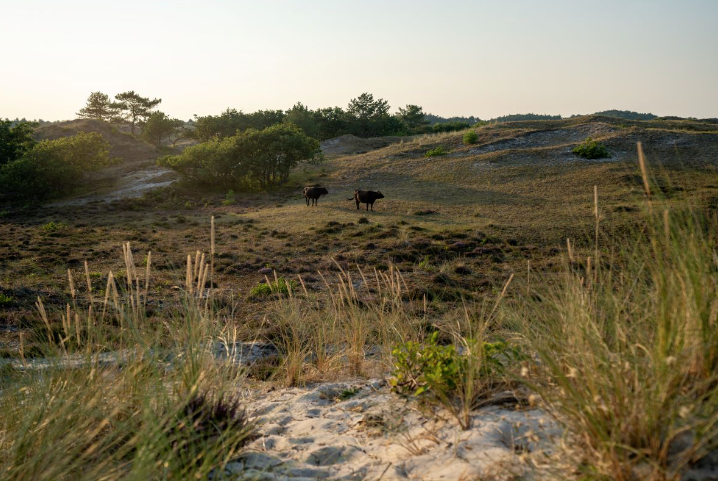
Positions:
{"x": 471, "y": 137}
{"x": 280, "y": 286}
{"x": 437, "y": 151}
{"x": 54, "y": 226}
{"x": 592, "y": 149}
{"x": 6, "y": 300}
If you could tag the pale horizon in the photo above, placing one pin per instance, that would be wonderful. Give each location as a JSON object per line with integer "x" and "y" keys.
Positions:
{"x": 456, "y": 58}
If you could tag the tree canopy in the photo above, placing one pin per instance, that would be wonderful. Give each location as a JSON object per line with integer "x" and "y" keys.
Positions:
{"x": 160, "y": 127}
{"x": 98, "y": 107}
{"x": 15, "y": 139}
{"x": 414, "y": 117}
{"x": 133, "y": 108}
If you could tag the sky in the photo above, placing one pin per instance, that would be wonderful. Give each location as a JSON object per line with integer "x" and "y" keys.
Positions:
{"x": 452, "y": 57}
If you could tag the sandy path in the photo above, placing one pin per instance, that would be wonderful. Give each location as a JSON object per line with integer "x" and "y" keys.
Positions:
{"x": 361, "y": 430}
{"x": 126, "y": 183}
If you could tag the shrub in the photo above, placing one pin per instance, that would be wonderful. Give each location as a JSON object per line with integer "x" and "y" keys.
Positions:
{"x": 250, "y": 159}
{"x": 436, "y": 152}
{"x": 431, "y": 367}
{"x": 281, "y": 286}
{"x": 54, "y": 226}
{"x": 471, "y": 137}
{"x": 591, "y": 149}
{"x": 230, "y": 198}
{"x": 55, "y": 167}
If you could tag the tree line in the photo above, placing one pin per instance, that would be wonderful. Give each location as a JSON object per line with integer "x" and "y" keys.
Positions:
{"x": 364, "y": 116}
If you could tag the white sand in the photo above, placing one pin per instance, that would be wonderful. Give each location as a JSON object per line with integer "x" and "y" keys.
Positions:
{"x": 329, "y": 432}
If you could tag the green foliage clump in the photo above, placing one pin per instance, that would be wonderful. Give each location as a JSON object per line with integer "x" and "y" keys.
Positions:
{"x": 281, "y": 286}
{"x": 54, "y": 226}
{"x": 15, "y": 140}
{"x": 6, "y": 300}
{"x": 250, "y": 159}
{"x": 591, "y": 149}
{"x": 471, "y": 137}
{"x": 55, "y": 167}
{"x": 230, "y": 198}
{"x": 436, "y": 152}
{"x": 431, "y": 367}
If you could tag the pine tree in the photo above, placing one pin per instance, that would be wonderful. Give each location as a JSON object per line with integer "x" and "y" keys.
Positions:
{"x": 98, "y": 107}
{"x": 133, "y": 109}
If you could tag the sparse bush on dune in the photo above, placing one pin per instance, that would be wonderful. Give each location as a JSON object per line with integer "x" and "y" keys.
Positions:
{"x": 592, "y": 149}
{"x": 471, "y": 137}
{"x": 436, "y": 151}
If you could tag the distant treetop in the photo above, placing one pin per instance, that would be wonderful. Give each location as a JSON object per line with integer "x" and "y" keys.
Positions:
{"x": 515, "y": 117}
{"x": 626, "y": 114}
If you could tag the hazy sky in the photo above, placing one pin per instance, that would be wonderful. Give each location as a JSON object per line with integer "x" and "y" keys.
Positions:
{"x": 453, "y": 57}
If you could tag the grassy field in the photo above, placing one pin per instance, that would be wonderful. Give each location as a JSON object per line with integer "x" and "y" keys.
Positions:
{"x": 455, "y": 233}
{"x": 513, "y": 197}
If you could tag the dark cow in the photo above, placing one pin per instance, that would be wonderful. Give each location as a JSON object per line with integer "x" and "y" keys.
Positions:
{"x": 313, "y": 194}
{"x": 367, "y": 197}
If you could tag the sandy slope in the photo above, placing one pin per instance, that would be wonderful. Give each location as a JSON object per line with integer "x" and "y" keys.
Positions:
{"x": 361, "y": 430}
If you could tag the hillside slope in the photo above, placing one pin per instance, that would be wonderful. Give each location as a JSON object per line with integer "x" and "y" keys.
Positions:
{"x": 122, "y": 145}
{"x": 135, "y": 174}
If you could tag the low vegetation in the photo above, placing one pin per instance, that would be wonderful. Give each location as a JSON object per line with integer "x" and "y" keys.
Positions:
{"x": 436, "y": 151}
{"x": 470, "y": 137}
{"x": 592, "y": 149}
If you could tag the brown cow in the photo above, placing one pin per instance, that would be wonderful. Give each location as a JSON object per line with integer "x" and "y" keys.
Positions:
{"x": 367, "y": 197}
{"x": 313, "y": 194}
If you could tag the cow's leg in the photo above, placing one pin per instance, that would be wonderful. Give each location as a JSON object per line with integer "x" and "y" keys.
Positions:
{"x": 357, "y": 205}
{"x": 306, "y": 199}
{"x": 367, "y": 206}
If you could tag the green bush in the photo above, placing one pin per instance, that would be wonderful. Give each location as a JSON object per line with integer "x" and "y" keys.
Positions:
{"x": 250, "y": 159}
{"x": 281, "y": 286}
{"x": 591, "y": 149}
{"x": 55, "y": 167}
{"x": 54, "y": 226}
{"x": 436, "y": 152}
{"x": 471, "y": 137}
{"x": 431, "y": 367}
{"x": 230, "y": 198}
